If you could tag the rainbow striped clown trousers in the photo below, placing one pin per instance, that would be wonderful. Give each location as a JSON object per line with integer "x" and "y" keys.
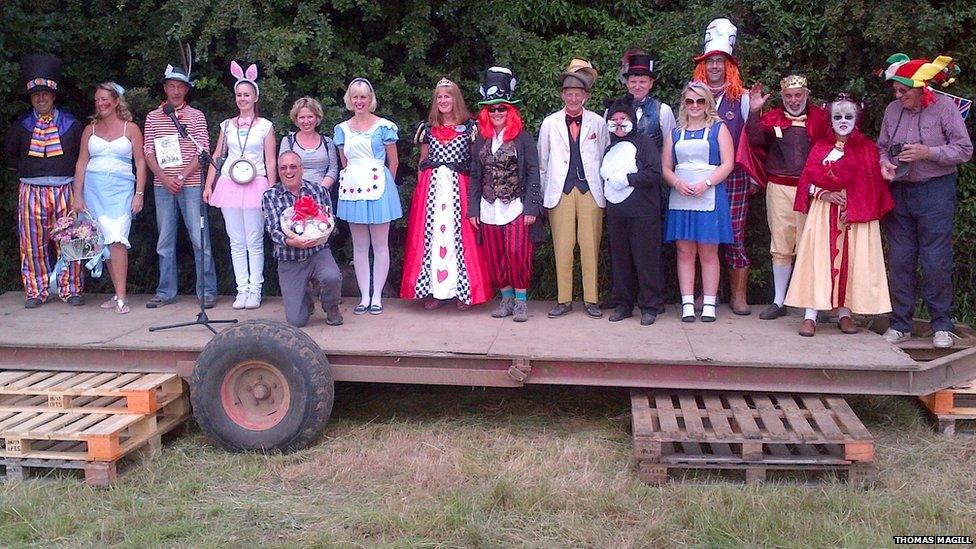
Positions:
{"x": 38, "y": 207}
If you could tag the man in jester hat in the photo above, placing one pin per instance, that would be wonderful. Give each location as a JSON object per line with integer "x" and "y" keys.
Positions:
{"x": 42, "y": 147}
{"x": 922, "y": 142}
{"x": 773, "y": 155}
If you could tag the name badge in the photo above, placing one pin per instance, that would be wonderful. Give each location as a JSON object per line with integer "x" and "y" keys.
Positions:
{"x": 168, "y": 154}
{"x": 778, "y": 131}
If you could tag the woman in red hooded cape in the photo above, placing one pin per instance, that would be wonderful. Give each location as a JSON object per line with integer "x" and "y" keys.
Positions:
{"x": 839, "y": 259}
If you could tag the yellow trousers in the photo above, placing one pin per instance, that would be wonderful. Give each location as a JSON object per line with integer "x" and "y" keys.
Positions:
{"x": 576, "y": 220}
{"x": 785, "y": 223}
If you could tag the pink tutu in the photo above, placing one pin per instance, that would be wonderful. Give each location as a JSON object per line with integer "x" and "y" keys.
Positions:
{"x": 227, "y": 194}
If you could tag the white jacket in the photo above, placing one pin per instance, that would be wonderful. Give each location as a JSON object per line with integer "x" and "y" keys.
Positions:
{"x": 554, "y": 155}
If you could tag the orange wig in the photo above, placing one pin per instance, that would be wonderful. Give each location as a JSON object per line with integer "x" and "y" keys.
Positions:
{"x": 513, "y": 123}
{"x": 733, "y": 79}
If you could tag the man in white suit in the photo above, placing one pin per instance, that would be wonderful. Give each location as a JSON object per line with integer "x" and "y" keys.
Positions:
{"x": 571, "y": 146}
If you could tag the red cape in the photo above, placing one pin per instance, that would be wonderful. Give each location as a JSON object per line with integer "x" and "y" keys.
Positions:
{"x": 858, "y": 172}
{"x": 753, "y": 159}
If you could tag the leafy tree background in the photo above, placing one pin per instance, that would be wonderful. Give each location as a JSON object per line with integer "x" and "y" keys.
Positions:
{"x": 314, "y": 47}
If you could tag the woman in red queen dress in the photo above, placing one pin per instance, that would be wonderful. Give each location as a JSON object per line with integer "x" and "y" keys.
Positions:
{"x": 839, "y": 258}
{"x": 443, "y": 260}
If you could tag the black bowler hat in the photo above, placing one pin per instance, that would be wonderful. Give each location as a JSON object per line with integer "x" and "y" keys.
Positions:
{"x": 639, "y": 64}
{"x": 41, "y": 72}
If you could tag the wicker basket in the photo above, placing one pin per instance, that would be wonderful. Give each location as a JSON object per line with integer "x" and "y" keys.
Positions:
{"x": 329, "y": 223}
{"x": 78, "y": 248}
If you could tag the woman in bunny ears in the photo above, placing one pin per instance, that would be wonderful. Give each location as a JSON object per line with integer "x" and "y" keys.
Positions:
{"x": 368, "y": 197}
{"x": 246, "y": 156}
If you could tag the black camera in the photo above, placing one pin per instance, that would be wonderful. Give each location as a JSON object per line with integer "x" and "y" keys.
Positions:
{"x": 894, "y": 150}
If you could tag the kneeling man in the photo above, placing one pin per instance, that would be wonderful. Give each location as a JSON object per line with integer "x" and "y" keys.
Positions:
{"x": 300, "y": 261}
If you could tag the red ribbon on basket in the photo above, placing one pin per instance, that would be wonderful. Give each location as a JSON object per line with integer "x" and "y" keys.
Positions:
{"x": 306, "y": 208}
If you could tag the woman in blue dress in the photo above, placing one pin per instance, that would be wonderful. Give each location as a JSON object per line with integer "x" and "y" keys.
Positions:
{"x": 368, "y": 197}
{"x": 697, "y": 157}
{"x": 110, "y": 182}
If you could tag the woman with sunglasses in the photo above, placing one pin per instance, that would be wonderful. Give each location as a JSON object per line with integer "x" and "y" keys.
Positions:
{"x": 697, "y": 157}
{"x": 505, "y": 196}
{"x": 368, "y": 197}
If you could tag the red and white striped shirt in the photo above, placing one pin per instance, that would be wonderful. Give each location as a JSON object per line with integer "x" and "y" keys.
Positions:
{"x": 158, "y": 125}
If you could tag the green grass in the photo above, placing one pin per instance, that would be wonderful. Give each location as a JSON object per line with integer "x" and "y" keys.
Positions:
{"x": 444, "y": 467}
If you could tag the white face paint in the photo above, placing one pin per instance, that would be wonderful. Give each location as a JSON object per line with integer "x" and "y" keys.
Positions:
{"x": 843, "y": 115}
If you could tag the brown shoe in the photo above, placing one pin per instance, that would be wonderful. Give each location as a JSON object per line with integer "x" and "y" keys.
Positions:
{"x": 846, "y": 325}
{"x": 808, "y": 328}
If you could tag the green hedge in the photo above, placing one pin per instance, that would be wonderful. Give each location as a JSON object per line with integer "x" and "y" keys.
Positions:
{"x": 315, "y": 46}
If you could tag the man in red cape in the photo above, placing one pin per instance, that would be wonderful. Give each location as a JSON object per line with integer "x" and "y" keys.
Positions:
{"x": 774, "y": 155}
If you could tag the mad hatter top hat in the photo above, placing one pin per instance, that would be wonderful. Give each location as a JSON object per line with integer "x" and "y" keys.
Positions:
{"x": 41, "y": 72}
{"x": 499, "y": 87}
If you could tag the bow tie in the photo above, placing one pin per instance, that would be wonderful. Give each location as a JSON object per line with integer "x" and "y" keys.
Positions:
{"x": 578, "y": 119}
{"x": 642, "y": 103}
{"x": 244, "y": 122}
{"x": 800, "y": 120}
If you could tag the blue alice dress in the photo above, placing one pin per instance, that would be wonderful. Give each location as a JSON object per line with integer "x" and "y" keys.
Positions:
{"x": 367, "y": 193}
{"x": 706, "y": 218}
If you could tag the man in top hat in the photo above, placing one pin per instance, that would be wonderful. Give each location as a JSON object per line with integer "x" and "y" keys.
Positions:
{"x": 42, "y": 147}
{"x": 719, "y": 70}
{"x": 922, "y": 142}
{"x": 774, "y": 154}
{"x": 572, "y": 141}
{"x": 177, "y": 190}
{"x": 655, "y": 118}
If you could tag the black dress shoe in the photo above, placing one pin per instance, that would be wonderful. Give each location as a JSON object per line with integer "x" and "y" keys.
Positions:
{"x": 33, "y": 303}
{"x": 75, "y": 300}
{"x": 592, "y": 310}
{"x": 560, "y": 309}
{"x": 209, "y": 301}
{"x": 772, "y": 312}
{"x": 648, "y": 318}
{"x": 621, "y": 313}
{"x": 333, "y": 317}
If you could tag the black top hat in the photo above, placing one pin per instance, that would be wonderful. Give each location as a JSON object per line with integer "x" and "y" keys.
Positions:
{"x": 639, "y": 64}
{"x": 41, "y": 72}
{"x": 499, "y": 87}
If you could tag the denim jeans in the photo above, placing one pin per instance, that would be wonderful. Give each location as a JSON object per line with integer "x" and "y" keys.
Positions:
{"x": 919, "y": 231}
{"x": 169, "y": 208}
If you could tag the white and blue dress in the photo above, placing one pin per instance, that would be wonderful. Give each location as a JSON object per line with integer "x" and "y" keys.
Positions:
{"x": 110, "y": 186}
{"x": 706, "y": 218}
{"x": 367, "y": 193}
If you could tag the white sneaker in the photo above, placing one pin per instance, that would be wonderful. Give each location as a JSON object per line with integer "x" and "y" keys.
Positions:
{"x": 241, "y": 300}
{"x": 253, "y": 301}
{"x": 943, "y": 339}
{"x": 893, "y": 336}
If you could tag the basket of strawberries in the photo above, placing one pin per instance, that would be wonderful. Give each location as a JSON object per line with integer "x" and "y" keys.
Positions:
{"x": 309, "y": 221}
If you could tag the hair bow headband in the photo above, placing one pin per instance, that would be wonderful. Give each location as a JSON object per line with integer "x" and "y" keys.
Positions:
{"x": 250, "y": 76}
{"x": 118, "y": 88}
{"x": 364, "y": 81}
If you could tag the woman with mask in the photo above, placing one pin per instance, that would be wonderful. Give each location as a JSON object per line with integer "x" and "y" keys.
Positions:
{"x": 839, "y": 259}
{"x": 631, "y": 173}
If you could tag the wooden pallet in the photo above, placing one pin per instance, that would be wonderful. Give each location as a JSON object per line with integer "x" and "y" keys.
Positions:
{"x": 87, "y": 392}
{"x": 752, "y": 432}
{"x": 952, "y": 405}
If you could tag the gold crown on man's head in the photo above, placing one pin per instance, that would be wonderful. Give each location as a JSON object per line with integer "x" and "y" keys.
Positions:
{"x": 444, "y": 82}
{"x": 793, "y": 81}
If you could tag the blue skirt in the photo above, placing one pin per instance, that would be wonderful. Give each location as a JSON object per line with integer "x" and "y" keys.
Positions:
{"x": 384, "y": 209}
{"x": 108, "y": 197}
{"x": 714, "y": 227}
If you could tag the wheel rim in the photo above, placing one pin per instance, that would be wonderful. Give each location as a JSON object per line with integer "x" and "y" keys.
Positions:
{"x": 255, "y": 395}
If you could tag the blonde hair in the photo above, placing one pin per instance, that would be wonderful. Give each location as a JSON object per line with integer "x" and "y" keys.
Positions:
{"x": 711, "y": 114}
{"x": 461, "y": 113}
{"x": 121, "y": 108}
{"x": 306, "y": 103}
{"x": 357, "y": 86}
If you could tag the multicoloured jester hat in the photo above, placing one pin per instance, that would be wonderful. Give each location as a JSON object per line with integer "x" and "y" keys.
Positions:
{"x": 917, "y": 73}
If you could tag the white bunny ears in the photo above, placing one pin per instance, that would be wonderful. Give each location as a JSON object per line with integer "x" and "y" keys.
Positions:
{"x": 250, "y": 75}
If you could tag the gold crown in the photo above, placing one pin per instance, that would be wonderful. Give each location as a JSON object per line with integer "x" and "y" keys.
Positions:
{"x": 444, "y": 82}
{"x": 793, "y": 81}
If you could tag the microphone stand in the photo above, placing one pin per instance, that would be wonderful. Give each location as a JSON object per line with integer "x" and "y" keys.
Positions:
{"x": 205, "y": 161}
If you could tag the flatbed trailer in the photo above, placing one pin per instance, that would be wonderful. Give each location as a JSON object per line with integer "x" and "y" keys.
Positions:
{"x": 262, "y": 376}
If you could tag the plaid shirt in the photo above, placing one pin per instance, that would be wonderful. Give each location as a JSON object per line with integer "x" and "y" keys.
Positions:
{"x": 275, "y": 201}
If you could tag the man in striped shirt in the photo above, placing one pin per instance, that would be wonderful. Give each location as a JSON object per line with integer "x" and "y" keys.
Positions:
{"x": 177, "y": 191}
